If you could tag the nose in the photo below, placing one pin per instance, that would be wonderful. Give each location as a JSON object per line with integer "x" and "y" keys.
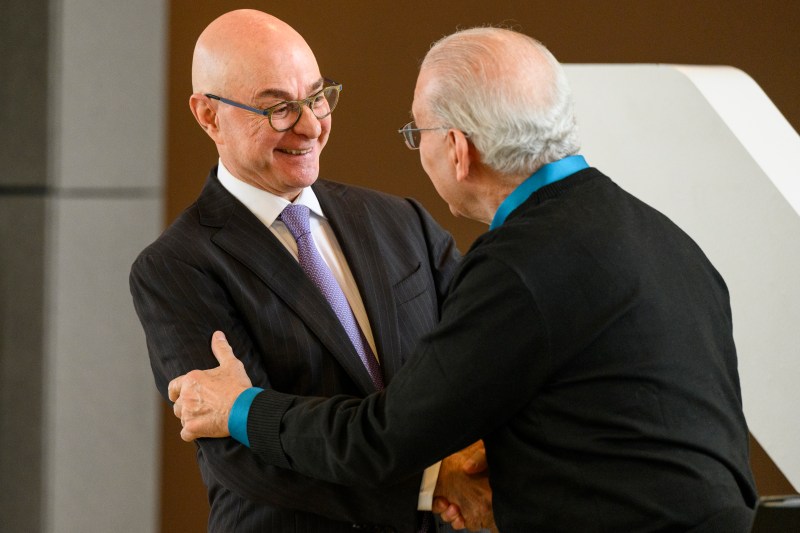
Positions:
{"x": 308, "y": 125}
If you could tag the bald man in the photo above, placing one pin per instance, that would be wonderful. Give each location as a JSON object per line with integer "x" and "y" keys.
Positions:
{"x": 585, "y": 337}
{"x": 231, "y": 262}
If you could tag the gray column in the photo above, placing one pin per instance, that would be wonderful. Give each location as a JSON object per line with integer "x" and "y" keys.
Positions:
{"x": 80, "y": 194}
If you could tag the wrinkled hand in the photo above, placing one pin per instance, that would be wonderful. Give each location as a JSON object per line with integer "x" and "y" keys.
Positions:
{"x": 462, "y": 495}
{"x": 203, "y": 398}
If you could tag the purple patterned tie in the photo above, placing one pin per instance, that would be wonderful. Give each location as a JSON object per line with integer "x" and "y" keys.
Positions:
{"x": 296, "y": 219}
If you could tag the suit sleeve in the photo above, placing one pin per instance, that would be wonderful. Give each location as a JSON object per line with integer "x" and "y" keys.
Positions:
{"x": 180, "y": 307}
{"x": 469, "y": 377}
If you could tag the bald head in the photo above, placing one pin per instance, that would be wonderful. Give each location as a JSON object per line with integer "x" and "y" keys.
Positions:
{"x": 241, "y": 45}
{"x": 249, "y": 61}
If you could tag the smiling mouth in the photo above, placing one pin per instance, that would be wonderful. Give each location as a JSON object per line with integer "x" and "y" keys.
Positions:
{"x": 295, "y": 152}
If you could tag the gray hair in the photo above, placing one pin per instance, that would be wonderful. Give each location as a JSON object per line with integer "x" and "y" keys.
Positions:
{"x": 508, "y": 92}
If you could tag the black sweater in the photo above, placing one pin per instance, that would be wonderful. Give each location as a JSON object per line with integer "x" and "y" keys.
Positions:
{"x": 588, "y": 340}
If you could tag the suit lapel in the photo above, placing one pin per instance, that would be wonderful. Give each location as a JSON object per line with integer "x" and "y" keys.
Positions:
{"x": 350, "y": 221}
{"x": 246, "y": 239}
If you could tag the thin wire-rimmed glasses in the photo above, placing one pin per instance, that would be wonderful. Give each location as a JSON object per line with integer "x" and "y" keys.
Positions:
{"x": 412, "y": 134}
{"x": 284, "y": 115}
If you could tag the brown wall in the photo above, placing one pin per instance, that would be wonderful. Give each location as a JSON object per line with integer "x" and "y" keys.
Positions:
{"x": 374, "y": 48}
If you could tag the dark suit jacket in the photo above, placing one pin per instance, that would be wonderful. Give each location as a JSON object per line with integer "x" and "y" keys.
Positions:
{"x": 588, "y": 340}
{"x": 218, "y": 267}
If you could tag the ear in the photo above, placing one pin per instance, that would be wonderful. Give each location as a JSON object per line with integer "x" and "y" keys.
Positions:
{"x": 205, "y": 115}
{"x": 462, "y": 154}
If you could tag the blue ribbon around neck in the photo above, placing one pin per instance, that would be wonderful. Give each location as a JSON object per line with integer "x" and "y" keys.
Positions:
{"x": 550, "y": 173}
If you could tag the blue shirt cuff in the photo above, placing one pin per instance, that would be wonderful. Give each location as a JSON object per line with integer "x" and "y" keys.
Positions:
{"x": 237, "y": 421}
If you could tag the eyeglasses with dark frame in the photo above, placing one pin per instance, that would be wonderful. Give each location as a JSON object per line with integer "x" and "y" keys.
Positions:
{"x": 284, "y": 115}
{"x": 412, "y": 134}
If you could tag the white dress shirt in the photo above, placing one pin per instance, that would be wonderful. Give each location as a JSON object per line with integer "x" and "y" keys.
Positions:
{"x": 267, "y": 207}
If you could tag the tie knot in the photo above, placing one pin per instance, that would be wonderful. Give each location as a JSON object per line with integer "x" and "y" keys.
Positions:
{"x": 295, "y": 217}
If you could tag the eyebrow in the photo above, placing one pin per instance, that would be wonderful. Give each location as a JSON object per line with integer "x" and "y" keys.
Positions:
{"x": 283, "y": 95}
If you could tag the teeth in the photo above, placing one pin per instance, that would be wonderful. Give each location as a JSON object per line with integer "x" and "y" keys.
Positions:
{"x": 295, "y": 152}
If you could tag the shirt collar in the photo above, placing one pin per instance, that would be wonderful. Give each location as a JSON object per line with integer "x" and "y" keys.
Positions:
{"x": 549, "y": 173}
{"x": 264, "y": 205}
